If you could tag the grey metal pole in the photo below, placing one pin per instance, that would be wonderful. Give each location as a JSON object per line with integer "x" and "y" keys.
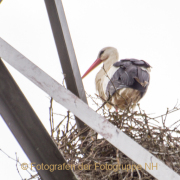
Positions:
{"x": 66, "y": 51}
{"x": 28, "y": 129}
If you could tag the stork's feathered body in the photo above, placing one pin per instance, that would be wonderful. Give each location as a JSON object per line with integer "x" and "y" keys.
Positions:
{"x": 123, "y": 83}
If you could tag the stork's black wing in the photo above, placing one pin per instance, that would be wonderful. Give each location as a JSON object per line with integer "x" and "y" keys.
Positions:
{"x": 131, "y": 74}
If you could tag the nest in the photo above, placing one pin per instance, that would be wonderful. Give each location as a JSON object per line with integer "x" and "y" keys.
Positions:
{"x": 91, "y": 157}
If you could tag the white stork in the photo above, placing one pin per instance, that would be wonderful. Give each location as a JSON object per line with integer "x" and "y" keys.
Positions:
{"x": 123, "y": 83}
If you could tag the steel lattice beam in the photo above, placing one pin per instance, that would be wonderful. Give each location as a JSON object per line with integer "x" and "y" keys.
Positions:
{"x": 28, "y": 129}
{"x": 65, "y": 51}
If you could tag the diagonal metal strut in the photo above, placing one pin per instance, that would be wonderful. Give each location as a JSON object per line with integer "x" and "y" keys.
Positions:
{"x": 28, "y": 129}
{"x": 65, "y": 51}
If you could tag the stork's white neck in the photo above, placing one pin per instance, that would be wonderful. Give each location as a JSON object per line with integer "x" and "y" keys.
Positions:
{"x": 102, "y": 79}
{"x": 108, "y": 63}
{"x": 108, "y": 69}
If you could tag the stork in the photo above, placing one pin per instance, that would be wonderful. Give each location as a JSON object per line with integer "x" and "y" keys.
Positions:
{"x": 122, "y": 83}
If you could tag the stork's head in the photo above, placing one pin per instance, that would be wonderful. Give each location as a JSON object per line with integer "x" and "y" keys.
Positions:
{"x": 108, "y": 55}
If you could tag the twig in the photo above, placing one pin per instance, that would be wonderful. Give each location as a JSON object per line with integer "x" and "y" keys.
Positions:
{"x": 51, "y": 119}
{"x": 17, "y": 161}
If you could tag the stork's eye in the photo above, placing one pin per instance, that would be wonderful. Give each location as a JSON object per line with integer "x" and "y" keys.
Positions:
{"x": 101, "y": 53}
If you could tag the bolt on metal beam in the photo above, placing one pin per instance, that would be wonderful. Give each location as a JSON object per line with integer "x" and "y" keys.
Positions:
{"x": 28, "y": 129}
{"x": 65, "y": 51}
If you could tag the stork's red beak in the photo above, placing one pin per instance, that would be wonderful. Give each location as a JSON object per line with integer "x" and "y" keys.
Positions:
{"x": 95, "y": 64}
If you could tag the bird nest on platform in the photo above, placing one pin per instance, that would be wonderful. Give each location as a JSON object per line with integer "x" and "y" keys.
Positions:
{"x": 92, "y": 157}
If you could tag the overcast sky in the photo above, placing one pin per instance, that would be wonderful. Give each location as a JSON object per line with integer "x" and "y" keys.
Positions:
{"x": 142, "y": 29}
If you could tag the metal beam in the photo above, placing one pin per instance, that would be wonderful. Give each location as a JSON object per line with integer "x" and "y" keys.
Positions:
{"x": 112, "y": 134}
{"x": 65, "y": 51}
{"x": 28, "y": 129}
